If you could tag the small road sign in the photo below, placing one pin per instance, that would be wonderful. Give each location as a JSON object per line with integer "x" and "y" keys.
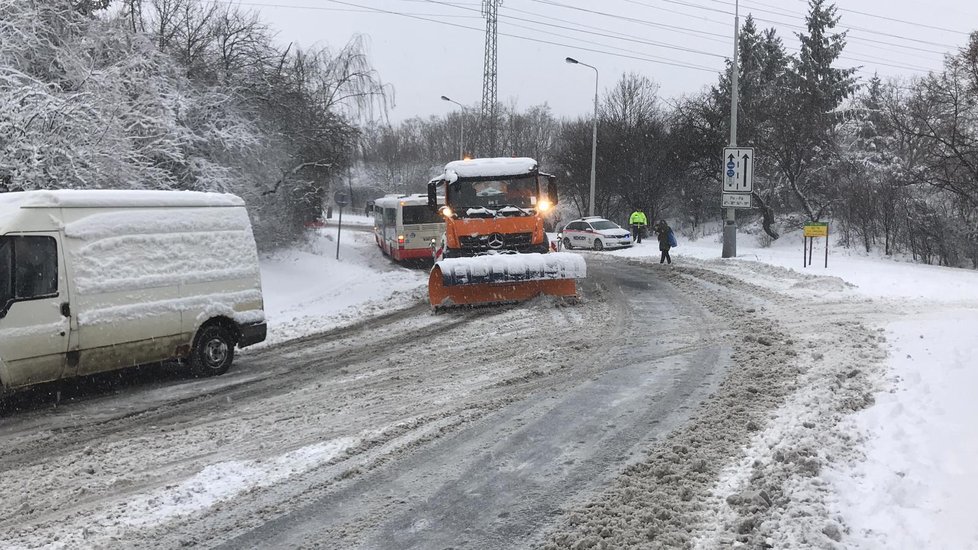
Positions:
{"x": 341, "y": 199}
{"x": 816, "y": 229}
{"x": 738, "y": 169}
{"x": 735, "y": 200}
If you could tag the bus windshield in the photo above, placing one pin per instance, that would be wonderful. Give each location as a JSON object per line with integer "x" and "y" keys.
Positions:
{"x": 414, "y": 215}
{"x": 519, "y": 192}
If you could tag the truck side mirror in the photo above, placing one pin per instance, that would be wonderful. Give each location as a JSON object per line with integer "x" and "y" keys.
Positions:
{"x": 433, "y": 195}
{"x": 552, "y": 189}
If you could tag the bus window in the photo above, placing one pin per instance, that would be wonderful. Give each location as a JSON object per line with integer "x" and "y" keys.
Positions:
{"x": 390, "y": 217}
{"x": 415, "y": 215}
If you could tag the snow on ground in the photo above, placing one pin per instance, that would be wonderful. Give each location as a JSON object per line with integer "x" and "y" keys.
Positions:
{"x": 307, "y": 289}
{"x": 912, "y": 482}
{"x": 913, "y": 475}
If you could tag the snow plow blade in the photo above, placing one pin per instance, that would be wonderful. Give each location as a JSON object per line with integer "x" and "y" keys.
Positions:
{"x": 503, "y": 278}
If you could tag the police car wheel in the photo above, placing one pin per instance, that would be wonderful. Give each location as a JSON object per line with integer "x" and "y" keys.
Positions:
{"x": 567, "y": 243}
{"x": 598, "y": 245}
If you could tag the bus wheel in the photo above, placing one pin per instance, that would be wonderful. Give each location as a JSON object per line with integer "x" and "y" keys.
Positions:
{"x": 213, "y": 351}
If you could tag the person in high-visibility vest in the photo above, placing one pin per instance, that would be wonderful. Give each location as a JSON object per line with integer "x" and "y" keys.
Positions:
{"x": 637, "y": 221}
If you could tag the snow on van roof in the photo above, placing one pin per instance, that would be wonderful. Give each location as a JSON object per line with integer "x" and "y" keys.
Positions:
{"x": 489, "y": 167}
{"x": 101, "y": 198}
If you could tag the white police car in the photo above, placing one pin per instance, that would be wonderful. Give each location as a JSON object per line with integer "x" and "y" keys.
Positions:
{"x": 594, "y": 232}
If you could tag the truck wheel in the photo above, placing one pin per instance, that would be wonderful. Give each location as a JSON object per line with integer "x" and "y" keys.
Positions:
{"x": 567, "y": 243}
{"x": 213, "y": 351}
{"x": 598, "y": 245}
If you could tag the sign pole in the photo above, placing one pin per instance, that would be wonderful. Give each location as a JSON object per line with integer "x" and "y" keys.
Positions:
{"x": 341, "y": 200}
{"x": 730, "y": 223}
{"x": 339, "y": 228}
{"x": 826, "y": 248}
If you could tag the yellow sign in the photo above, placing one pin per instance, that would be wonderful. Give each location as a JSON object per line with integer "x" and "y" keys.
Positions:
{"x": 817, "y": 229}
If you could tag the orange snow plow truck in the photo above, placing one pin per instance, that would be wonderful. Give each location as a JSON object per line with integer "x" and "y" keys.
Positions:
{"x": 495, "y": 249}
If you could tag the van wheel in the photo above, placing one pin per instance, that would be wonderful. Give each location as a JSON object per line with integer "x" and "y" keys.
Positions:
{"x": 213, "y": 351}
{"x": 567, "y": 243}
{"x": 598, "y": 245}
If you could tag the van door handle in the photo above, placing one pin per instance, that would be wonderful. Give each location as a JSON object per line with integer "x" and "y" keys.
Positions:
{"x": 65, "y": 309}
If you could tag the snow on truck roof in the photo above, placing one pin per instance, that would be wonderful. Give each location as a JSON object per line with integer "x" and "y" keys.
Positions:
{"x": 112, "y": 198}
{"x": 489, "y": 167}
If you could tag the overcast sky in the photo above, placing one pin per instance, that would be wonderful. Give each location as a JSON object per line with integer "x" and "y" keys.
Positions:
{"x": 429, "y": 48}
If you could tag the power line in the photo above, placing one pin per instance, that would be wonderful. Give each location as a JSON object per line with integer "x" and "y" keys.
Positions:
{"x": 606, "y": 35}
{"x": 674, "y": 28}
{"x": 622, "y": 53}
{"x": 629, "y": 55}
{"x": 853, "y": 27}
{"x": 847, "y": 57}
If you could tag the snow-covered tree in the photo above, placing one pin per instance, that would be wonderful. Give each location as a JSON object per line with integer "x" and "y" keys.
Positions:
{"x": 803, "y": 144}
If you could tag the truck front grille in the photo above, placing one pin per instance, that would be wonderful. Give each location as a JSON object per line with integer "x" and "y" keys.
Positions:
{"x": 509, "y": 242}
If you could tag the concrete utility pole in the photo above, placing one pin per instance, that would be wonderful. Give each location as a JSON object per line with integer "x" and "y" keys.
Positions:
{"x": 730, "y": 223}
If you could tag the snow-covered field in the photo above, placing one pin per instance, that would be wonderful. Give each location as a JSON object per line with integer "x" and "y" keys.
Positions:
{"x": 307, "y": 289}
{"x": 903, "y": 475}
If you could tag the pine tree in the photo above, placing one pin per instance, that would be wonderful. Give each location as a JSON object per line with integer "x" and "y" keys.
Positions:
{"x": 809, "y": 111}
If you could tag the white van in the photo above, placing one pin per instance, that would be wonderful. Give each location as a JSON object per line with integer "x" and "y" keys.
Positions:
{"x": 97, "y": 280}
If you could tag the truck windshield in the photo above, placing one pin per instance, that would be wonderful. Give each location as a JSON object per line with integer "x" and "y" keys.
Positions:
{"x": 519, "y": 192}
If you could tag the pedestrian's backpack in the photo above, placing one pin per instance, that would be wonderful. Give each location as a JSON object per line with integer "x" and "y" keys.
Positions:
{"x": 672, "y": 239}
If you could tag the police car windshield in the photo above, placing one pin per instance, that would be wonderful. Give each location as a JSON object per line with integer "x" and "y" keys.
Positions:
{"x": 604, "y": 224}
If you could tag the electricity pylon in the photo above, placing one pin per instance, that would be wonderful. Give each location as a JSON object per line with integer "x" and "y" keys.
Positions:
{"x": 490, "y": 9}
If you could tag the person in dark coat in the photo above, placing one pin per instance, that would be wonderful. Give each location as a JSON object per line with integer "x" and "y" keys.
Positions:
{"x": 662, "y": 231}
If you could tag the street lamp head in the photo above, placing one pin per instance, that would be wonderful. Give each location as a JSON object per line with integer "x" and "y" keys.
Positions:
{"x": 446, "y": 98}
{"x": 571, "y": 60}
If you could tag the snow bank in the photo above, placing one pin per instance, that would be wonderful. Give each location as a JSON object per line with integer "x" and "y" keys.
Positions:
{"x": 915, "y": 487}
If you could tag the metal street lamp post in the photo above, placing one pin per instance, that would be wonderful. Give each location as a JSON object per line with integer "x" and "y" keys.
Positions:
{"x": 461, "y": 127}
{"x": 594, "y": 133}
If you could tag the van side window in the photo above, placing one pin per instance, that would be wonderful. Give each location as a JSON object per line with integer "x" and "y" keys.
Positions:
{"x": 28, "y": 268}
